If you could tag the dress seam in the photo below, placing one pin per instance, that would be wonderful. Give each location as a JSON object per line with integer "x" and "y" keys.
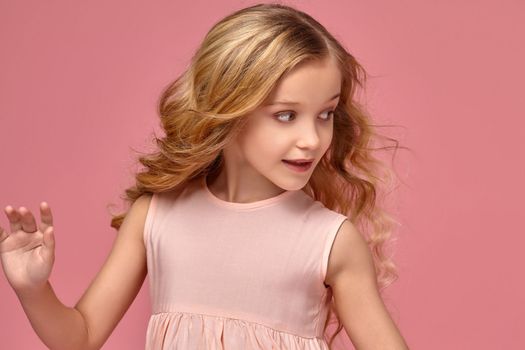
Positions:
{"x": 333, "y": 231}
{"x": 239, "y": 319}
{"x": 319, "y": 307}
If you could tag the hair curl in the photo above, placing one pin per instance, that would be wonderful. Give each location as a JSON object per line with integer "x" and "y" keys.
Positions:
{"x": 239, "y": 62}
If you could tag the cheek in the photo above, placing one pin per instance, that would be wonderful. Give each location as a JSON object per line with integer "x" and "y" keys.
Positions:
{"x": 263, "y": 144}
{"x": 327, "y": 137}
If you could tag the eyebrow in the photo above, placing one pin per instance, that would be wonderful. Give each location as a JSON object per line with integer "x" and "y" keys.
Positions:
{"x": 296, "y": 103}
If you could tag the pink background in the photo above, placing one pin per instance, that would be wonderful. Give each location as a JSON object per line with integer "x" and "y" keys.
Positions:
{"x": 78, "y": 91}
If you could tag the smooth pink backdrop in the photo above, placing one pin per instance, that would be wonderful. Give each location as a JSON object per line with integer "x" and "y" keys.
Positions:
{"x": 78, "y": 90}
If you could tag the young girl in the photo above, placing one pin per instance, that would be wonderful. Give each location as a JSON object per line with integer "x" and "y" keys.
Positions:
{"x": 246, "y": 217}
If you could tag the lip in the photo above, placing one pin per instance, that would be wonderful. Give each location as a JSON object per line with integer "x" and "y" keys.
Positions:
{"x": 300, "y": 160}
{"x": 298, "y": 168}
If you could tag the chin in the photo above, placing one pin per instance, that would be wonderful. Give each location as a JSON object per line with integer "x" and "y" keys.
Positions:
{"x": 296, "y": 185}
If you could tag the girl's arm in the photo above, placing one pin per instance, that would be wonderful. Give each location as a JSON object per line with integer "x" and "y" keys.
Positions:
{"x": 351, "y": 275}
{"x": 118, "y": 282}
{"x": 58, "y": 326}
{"x": 90, "y": 322}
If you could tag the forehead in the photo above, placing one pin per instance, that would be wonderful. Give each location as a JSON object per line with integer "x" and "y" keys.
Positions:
{"x": 309, "y": 82}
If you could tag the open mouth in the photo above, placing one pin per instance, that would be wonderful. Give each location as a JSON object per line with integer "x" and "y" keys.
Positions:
{"x": 298, "y": 166}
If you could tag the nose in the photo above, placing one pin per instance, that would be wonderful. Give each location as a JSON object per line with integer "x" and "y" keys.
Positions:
{"x": 308, "y": 136}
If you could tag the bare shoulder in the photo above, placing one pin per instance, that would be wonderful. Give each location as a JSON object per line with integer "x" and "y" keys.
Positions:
{"x": 143, "y": 200}
{"x": 129, "y": 241}
{"x": 350, "y": 251}
{"x": 141, "y": 204}
{"x": 135, "y": 218}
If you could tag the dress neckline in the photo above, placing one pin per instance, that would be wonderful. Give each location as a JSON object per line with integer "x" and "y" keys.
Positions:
{"x": 240, "y": 206}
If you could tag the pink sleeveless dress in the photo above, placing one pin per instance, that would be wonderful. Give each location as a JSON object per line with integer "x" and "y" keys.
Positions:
{"x": 238, "y": 276}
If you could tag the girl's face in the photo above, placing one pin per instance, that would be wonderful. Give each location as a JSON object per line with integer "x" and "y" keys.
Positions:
{"x": 296, "y": 122}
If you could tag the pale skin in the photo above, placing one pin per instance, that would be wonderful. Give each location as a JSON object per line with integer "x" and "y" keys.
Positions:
{"x": 27, "y": 252}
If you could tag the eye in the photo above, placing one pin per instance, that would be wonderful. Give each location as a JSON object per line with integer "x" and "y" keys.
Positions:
{"x": 278, "y": 115}
{"x": 331, "y": 115}
{"x": 284, "y": 113}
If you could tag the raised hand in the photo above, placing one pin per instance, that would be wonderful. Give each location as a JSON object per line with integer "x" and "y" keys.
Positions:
{"x": 27, "y": 253}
